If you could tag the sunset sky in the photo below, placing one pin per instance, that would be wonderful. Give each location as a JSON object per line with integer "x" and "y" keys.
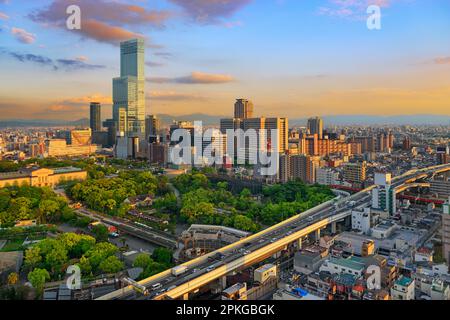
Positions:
{"x": 293, "y": 58}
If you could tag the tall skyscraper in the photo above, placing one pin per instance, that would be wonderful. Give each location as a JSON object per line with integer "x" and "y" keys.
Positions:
{"x": 129, "y": 88}
{"x": 95, "y": 119}
{"x": 152, "y": 126}
{"x": 243, "y": 109}
{"x": 315, "y": 126}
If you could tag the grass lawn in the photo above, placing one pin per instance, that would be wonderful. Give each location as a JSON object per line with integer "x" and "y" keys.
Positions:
{"x": 13, "y": 245}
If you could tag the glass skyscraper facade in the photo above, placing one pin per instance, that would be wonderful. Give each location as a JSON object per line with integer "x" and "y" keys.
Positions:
{"x": 129, "y": 89}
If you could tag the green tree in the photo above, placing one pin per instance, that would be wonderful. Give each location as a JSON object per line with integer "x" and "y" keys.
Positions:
{"x": 244, "y": 223}
{"x": 33, "y": 257}
{"x": 162, "y": 255}
{"x": 37, "y": 278}
{"x": 100, "y": 232}
{"x": 111, "y": 265}
{"x": 142, "y": 261}
{"x": 48, "y": 209}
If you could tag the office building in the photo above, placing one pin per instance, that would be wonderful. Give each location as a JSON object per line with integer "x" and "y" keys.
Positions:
{"x": 95, "y": 117}
{"x": 111, "y": 128}
{"x": 80, "y": 137}
{"x": 60, "y": 148}
{"x": 243, "y": 109}
{"x": 129, "y": 89}
{"x": 152, "y": 126}
{"x": 315, "y": 126}
{"x": 158, "y": 153}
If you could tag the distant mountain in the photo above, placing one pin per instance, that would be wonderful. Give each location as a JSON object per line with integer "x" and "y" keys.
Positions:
{"x": 331, "y": 120}
{"x": 421, "y": 119}
{"x": 208, "y": 120}
{"x": 43, "y": 123}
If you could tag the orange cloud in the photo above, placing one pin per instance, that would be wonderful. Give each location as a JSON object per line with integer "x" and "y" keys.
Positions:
{"x": 23, "y": 35}
{"x": 442, "y": 60}
{"x": 105, "y": 33}
{"x": 195, "y": 78}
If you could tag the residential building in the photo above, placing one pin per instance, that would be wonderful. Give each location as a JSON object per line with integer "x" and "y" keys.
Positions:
{"x": 403, "y": 289}
{"x": 355, "y": 172}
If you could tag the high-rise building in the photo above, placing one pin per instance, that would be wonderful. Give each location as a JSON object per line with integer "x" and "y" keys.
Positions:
{"x": 368, "y": 144}
{"x": 315, "y": 126}
{"x": 407, "y": 144}
{"x": 152, "y": 126}
{"x": 81, "y": 137}
{"x": 110, "y": 124}
{"x": 243, "y": 109}
{"x": 95, "y": 117}
{"x": 129, "y": 88}
{"x": 446, "y": 231}
{"x": 122, "y": 121}
{"x": 442, "y": 155}
{"x": 355, "y": 172}
{"x": 301, "y": 167}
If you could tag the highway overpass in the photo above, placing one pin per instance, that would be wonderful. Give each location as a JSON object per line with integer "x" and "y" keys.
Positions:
{"x": 260, "y": 246}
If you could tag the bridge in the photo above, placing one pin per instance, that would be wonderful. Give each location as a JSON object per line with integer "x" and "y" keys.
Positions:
{"x": 258, "y": 247}
{"x": 139, "y": 231}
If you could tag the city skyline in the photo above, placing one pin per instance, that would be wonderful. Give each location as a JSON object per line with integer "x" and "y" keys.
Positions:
{"x": 290, "y": 59}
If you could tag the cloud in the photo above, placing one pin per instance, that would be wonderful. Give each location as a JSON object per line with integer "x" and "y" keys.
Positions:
{"x": 77, "y": 64}
{"x": 3, "y": 16}
{"x": 105, "y": 33}
{"x": 101, "y": 20}
{"x": 195, "y": 78}
{"x": 210, "y": 11}
{"x": 38, "y": 59}
{"x": 155, "y": 64}
{"x": 173, "y": 96}
{"x": 165, "y": 55}
{"x": 85, "y": 100}
{"x": 76, "y": 105}
{"x": 82, "y": 58}
{"x": 442, "y": 60}
{"x": 23, "y": 36}
{"x": 106, "y": 11}
{"x": 65, "y": 64}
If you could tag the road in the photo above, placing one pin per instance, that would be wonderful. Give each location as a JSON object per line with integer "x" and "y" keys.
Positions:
{"x": 245, "y": 252}
{"x": 139, "y": 231}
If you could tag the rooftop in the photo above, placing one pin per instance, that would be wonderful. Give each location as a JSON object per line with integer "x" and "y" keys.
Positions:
{"x": 403, "y": 281}
{"x": 351, "y": 263}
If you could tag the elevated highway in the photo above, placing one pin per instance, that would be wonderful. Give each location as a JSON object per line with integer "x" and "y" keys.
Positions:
{"x": 260, "y": 246}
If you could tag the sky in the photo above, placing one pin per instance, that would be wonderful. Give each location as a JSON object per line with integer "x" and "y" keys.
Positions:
{"x": 292, "y": 58}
